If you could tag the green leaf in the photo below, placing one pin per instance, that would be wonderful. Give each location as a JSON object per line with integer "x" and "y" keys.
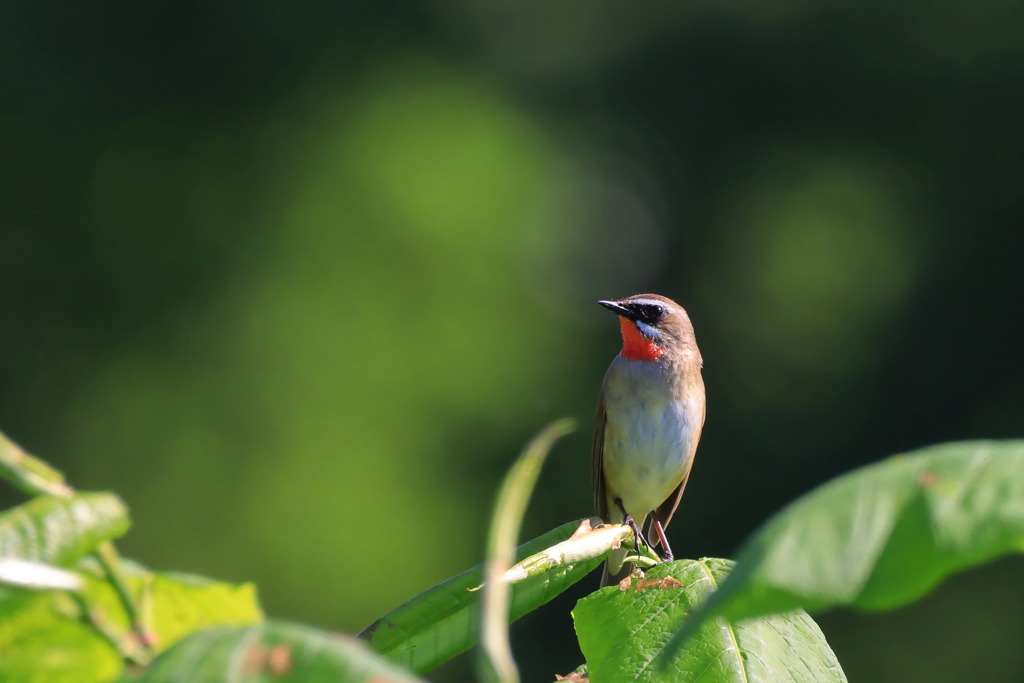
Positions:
{"x": 59, "y": 531}
{"x": 173, "y": 605}
{"x": 441, "y": 622}
{"x": 275, "y": 652}
{"x": 41, "y": 641}
{"x": 623, "y": 633}
{"x": 44, "y": 636}
{"x": 176, "y": 605}
{"x": 495, "y": 662}
{"x": 881, "y": 536}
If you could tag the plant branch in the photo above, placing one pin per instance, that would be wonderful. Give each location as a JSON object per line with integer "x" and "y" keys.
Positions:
{"x": 110, "y": 561}
{"x": 30, "y": 474}
{"x": 129, "y": 649}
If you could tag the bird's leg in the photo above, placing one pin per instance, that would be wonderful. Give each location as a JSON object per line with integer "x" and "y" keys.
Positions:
{"x": 627, "y": 519}
{"x": 666, "y": 555}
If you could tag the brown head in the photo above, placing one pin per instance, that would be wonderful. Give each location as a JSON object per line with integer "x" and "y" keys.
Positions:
{"x": 654, "y": 327}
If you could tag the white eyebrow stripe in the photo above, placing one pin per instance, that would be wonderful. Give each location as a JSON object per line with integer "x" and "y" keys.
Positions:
{"x": 647, "y": 302}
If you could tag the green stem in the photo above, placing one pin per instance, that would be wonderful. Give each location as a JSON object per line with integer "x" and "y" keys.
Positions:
{"x": 110, "y": 561}
{"x": 642, "y": 560}
{"x": 129, "y": 650}
{"x": 29, "y": 474}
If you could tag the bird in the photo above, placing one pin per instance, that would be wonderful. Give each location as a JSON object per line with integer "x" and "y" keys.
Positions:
{"x": 649, "y": 419}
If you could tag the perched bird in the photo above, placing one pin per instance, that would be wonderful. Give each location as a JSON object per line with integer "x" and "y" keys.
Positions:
{"x": 649, "y": 418}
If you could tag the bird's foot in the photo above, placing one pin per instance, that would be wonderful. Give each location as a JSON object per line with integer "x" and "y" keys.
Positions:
{"x": 638, "y": 538}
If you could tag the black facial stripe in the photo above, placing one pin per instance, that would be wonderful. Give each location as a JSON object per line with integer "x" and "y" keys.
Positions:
{"x": 647, "y": 313}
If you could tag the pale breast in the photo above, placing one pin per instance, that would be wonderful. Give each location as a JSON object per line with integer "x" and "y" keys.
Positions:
{"x": 650, "y": 433}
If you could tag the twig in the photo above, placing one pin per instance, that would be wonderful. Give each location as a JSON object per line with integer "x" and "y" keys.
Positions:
{"x": 128, "y": 649}
{"x": 29, "y": 474}
{"x": 110, "y": 561}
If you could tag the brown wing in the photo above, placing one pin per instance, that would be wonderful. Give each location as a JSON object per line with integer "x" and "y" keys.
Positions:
{"x": 600, "y": 504}
{"x": 668, "y": 508}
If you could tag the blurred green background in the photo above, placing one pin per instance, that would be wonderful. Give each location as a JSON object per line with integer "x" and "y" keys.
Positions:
{"x": 299, "y": 279}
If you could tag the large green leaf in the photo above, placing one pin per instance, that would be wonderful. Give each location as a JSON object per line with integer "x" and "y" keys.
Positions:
{"x": 623, "y": 633}
{"x": 40, "y": 641}
{"x": 179, "y": 604}
{"x": 441, "y": 622}
{"x": 59, "y": 531}
{"x": 881, "y": 536}
{"x": 45, "y": 636}
{"x": 173, "y": 605}
{"x": 275, "y": 652}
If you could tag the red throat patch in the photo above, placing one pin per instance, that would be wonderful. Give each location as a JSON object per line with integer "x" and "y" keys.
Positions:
{"x": 636, "y": 346}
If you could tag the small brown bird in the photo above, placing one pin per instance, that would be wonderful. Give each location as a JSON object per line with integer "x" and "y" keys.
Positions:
{"x": 649, "y": 419}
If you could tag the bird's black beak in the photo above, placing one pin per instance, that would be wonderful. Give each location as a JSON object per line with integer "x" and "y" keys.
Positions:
{"x": 618, "y": 309}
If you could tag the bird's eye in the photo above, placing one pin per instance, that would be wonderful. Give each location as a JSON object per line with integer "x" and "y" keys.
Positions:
{"x": 652, "y": 313}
